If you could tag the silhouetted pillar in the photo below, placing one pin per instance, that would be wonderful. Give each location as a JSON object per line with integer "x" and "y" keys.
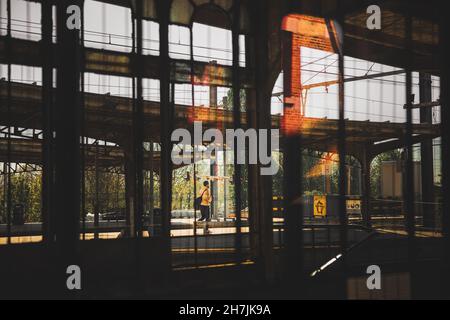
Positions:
{"x": 166, "y": 116}
{"x": 97, "y": 194}
{"x": 408, "y": 182}
{"x": 237, "y": 176}
{"x": 426, "y": 155}
{"x": 138, "y": 122}
{"x": 214, "y": 167}
{"x": 445, "y": 109}
{"x": 260, "y": 187}
{"x": 130, "y": 192}
{"x": 292, "y": 164}
{"x": 151, "y": 192}
{"x": 67, "y": 152}
{"x": 48, "y": 187}
{"x": 365, "y": 184}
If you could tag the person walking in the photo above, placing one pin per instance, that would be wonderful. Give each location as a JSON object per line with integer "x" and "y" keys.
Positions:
{"x": 205, "y": 204}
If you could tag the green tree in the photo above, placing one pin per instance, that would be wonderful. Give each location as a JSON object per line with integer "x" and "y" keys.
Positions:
{"x": 375, "y": 169}
{"x": 26, "y": 191}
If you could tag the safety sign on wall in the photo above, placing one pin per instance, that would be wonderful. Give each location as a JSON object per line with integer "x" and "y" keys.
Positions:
{"x": 320, "y": 206}
{"x": 353, "y": 206}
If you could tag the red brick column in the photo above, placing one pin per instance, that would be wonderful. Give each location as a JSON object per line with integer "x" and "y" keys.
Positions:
{"x": 293, "y": 109}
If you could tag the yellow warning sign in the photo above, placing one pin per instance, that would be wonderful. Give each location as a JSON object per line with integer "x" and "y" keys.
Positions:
{"x": 354, "y": 206}
{"x": 320, "y": 206}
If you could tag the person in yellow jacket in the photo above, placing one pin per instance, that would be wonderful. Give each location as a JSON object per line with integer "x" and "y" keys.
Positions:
{"x": 206, "y": 202}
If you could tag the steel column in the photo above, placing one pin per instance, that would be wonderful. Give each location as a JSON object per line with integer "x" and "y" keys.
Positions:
{"x": 48, "y": 123}
{"x": 292, "y": 178}
{"x": 263, "y": 121}
{"x": 138, "y": 124}
{"x": 237, "y": 177}
{"x": 365, "y": 184}
{"x": 426, "y": 155}
{"x": 67, "y": 151}
{"x": 408, "y": 188}
{"x": 445, "y": 151}
{"x": 166, "y": 124}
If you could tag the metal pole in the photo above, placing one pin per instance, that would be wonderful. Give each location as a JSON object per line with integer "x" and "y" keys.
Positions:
{"x": 191, "y": 57}
{"x": 97, "y": 197}
{"x": 8, "y": 156}
{"x": 237, "y": 178}
{"x": 67, "y": 152}
{"x": 5, "y": 188}
{"x": 342, "y": 182}
{"x": 47, "y": 116}
{"x": 445, "y": 148}
{"x": 138, "y": 122}
{"x": 195, "y": 214}
{"x": 408, "y": 189}
{"x": 365, "y": 186}
{"x": 152, "y": 190}
{"x": 426, "y": 154}
{"x": 165, "y": 115}
{"x": 84, "y": 140}
{"x": 292, "y": 178}
{"x": 214, "y": 165}
{"x": 263, "y": 121}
